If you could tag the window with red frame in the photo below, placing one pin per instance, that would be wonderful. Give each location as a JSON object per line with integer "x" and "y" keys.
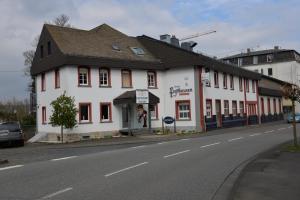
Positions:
{"x": 274, "y": 105}
{"x": 226, "y": 108}
{"x": 183, "y": 110}
{"x": 253, "y": 86}
{"x": 85, "y": 112}
{"x": 84, "y": 76}
{"x": 262, "y": 104}
{"x": 231, "y": 82}
{"x": 241, "y": 83}
{"x": 43, "y": 82}
{"x": 247, "y": 85}
{"x": 251, "y": 109}
{"x": 105, "y": 112}
{"x": 208, "y": 108}
{"x": 152, "y": 82}
{"x": 154, "y": 112}
{"x": 104, "y": 77}
{"x": 126, "y": 78}
{"x": 269, "y": 106}
{"x": 224, "y": 80}
{"x": 57, "y": 79}
{"x": 216, "y": 79}
{"x": 44, "y": 115}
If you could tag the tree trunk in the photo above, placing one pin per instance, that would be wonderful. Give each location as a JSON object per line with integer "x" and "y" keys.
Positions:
{"x": 62, "y": 134}
{"x": 294, "y": 125}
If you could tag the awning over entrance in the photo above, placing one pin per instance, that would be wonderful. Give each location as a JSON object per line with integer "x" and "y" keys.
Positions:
{"x": 130, "y": 97}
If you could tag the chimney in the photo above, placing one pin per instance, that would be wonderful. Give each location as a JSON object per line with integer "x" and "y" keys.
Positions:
{"x": 276, "y": 47}
{"x": 248, "y": 50}
{"x": 165, "y": 38}
{"x": 188, "y": 45}
{"x": 174, "y": 41}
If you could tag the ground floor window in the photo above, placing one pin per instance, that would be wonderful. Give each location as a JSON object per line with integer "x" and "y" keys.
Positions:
{"x": 154, "y": 111}
{"x": 105, "y": 112}
{"x": 241, "y": 108}
{"x": 85, "y": 112}
{"x": 274, "y": 105}
{"x": 279, "y": 103}
{"x": 234, "y": 108}
{"x": 208, "y": 108}
{"x": 252, "y": 109}
{"x": 226, "y": 108}
{"x": 44, "y": 116}
{"x": 183, "y": 110}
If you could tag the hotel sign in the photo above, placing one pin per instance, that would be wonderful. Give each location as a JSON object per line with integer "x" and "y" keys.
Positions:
{"x": 142, "y": 96}
{"x": 176, "y": 90}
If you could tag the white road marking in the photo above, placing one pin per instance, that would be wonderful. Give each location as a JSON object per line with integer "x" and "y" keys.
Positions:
{"x": 255, "y": 134}
{"x": 233, "y": 139}
{"x": 141, "y": 146}
{"x": 269, "y": 131}
{"x": 290, "y": 127}
{"x": 174, "y": 154}
{"x": 57, "y": 193}
{"x": 125, "y": 169}
{"x": 10, "y": 167}
{"x": 64, "y": 158}
{"x": 185, "y": 139}
{"x": 281, "y": 129}
{"x": 162, "y": 143}
{"x": 208, "y": 145}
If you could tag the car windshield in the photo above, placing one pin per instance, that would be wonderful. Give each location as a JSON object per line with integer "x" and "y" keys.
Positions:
{"x": 9, "y": 126}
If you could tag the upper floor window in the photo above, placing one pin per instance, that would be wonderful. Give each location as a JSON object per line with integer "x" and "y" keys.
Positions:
{"x": 43, "y": 82}
{"x": 105, "y": 112}
{"x": 208, "y": 108}
{"x": 42, "y": 51}
{"x": 255, "y": 60}
{"x": 231, "y": 82}
{"x": 270, "y": 58}
{"x": 85, "y": 112}
{"x": 104, "y": 77}
{"x": 49, "y": 48}
{"x": 240, "y": 62}
{"x": 241, "y": 83}
{"x": 253, "y": 86}
{"x": 152, "y": 82}
{"x": 270, "y": 72}
{"x": 247, "y": 85}
{"x": 226, "y": 108}
{"x": 216, "y": 79}
{"x": 207, "y": 81}
{"x": 183, "y": 110}
{"x": 84, "y": 76}
{"x": 57, "y": 78}
{"x": 224, "y": 80}
{"x": 126, "y": 78}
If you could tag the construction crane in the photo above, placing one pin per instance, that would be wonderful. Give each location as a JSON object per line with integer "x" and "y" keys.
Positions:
{"x": 197, "y": 35}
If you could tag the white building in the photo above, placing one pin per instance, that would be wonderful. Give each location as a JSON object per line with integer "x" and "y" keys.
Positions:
{"x": 282, "y": 64}
{"x": 104, "y": 69}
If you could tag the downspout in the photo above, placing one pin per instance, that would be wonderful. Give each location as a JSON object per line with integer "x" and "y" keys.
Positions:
{"x": 258, "y": 104}
{"x": 202, "y": 123}
{"x": 245, "y": 99}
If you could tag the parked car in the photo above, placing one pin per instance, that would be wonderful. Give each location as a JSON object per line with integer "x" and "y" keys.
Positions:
{"x": 290, "y": 118}
{"x": 11, "y": 134}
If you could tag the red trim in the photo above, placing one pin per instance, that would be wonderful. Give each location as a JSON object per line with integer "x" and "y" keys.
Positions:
{"x": 44, "y": 115}
{"x": 245, "y": 102}
{"x": 109, "y": 77}
{"x": 43, "y": 82}
{"x": 202, "y": 122}
{"x": 110, "y": 111}
{"x": 90, "y": 111}
{"x": 257, "y": 100}
{"x": 155, "y": 76}
{"x": 57, "y": 79}
{"x": 130, "y": 76}
{"x": 89, "y": 76}
{"x": 177, "y": 102}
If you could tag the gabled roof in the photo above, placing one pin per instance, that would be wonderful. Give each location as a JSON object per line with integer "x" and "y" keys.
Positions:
{"x": 173, "y": 57}
{"x": 256, "y": 53}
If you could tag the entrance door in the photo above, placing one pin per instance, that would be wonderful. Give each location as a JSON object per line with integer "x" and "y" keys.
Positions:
{"x": 125, "y": 116}
{"x": 218, "y": 113}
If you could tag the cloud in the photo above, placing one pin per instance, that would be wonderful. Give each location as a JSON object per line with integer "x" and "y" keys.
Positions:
{"x": 239, "y": 25}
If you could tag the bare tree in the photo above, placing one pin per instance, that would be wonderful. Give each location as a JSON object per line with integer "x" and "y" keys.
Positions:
{"x": 292, "y": 92}
{"x": 62, "y": 20}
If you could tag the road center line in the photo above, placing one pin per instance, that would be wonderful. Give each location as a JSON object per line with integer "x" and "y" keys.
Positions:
{"x": 233, "y": 139}
{"x": 208, "y": 145}
{"x": 162, "y": 143}
{"x": 57, "y": 193}
{"x": 10, "y": 167}
{"x": 174, "y": 154}
{"x": 125, "y": 169}
{"x": 255, "y": 134}
{"x": 64, "y": 158}
{"x": 281, "y": 129}
{"x": 269, "y": 131}
{"x": 136, "y": 147}
{"x": 185, "y": 139}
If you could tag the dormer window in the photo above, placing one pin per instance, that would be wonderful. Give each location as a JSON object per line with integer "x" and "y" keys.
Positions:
{"x": 270, "y": 58}
{"x": 138, "y": 51}
{"x": 42, "y": 51}
{"x": 49, "y": 48}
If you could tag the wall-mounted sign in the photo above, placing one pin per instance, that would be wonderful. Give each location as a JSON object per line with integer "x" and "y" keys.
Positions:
{"x": 142, "y": 96}
{"x": 169, "y": 120}
{"x": 176, "y": 90}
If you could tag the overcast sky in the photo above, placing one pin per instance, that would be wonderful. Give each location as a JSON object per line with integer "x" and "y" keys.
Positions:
{"x": 239, "y": 25}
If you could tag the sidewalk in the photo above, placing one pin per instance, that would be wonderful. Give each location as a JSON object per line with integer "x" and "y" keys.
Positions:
{"x": 273, "y": 175}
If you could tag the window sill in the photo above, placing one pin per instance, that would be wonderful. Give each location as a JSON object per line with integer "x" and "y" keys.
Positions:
{"x": 84, "y": 86}
{"x": 216, "y": 86}
{"x": 183, "y": 119}
{"x": 152, "y": 87}
{"x": 225, "y": 88}
{"x": 57, "y": 88}
{"x": 103, "y": 86}
{"x": 127, "y": 87}
{"x": 44, "y": 123}
{"x": 106, "y": 121}
{"x": 43, "y": 90}
{"x": 231, "y": 88}
{"x": 85, "y": 122}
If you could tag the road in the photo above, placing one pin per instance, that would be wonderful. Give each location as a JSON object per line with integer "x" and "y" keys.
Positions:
{"x": 181, "y": 169}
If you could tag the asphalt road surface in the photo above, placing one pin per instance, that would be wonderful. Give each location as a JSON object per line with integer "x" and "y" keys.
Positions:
{"x": 181, "y": 169}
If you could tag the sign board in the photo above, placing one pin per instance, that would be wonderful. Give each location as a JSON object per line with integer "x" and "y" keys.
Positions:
{"x": 142, "y": 96}
{"x": 169, "y": 120}
{"x": 176, "y": 90}
{"x": 205, "y": 76}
